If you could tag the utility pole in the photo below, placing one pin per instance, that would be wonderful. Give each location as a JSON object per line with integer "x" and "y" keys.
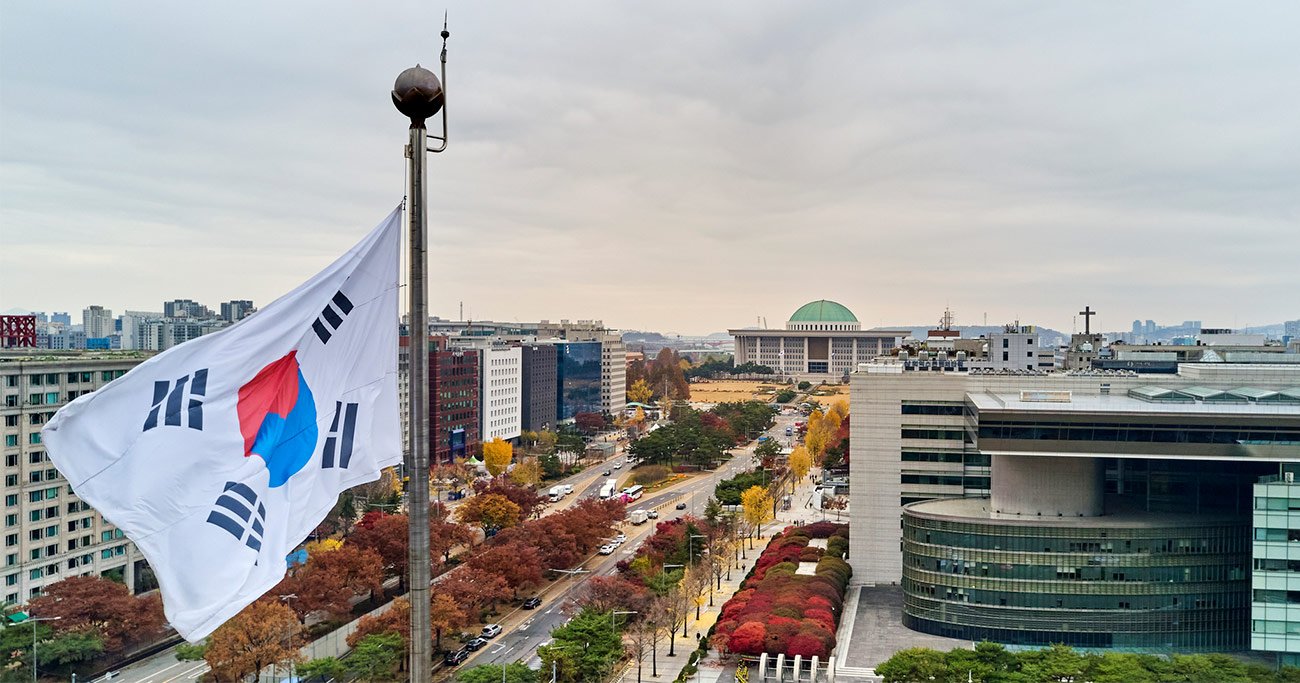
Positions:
{"x": 418, "y": 94}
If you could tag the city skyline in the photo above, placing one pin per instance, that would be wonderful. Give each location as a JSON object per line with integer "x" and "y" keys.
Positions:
{"x": 1139, "y": 160}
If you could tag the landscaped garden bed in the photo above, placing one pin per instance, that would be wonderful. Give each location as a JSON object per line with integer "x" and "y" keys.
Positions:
{"x": 780, "y": 612}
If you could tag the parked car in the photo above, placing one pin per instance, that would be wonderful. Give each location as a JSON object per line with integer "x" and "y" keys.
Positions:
{"x": 455, "y": 657}
{"x": 607, "y": 549}
{"x": 476, "y": 644}
{"x": 532, "y": 603}
{"x": 681, "y": 505}
{"x": 491, "y": 631}
{"x": 620, "y": 539}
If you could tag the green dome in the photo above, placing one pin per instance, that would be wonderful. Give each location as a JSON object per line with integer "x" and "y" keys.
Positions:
{"x": 823, "y": 311}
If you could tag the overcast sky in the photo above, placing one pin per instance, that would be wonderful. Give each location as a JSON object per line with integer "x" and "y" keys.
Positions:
{"x": 680, "y": 167}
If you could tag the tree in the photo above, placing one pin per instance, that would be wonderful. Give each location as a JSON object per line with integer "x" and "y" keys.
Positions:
{"x": 324, "y": 668}
{"x": 323, "y": 546}
{"x": 610, "y": 593}
{"x": 516, "y": 672}
{"x": 497, "y": 455}
{"x": 527, "y": 498}
{"x": 444, "y": 615}
{"x": 107, "y": 608}
{"x": 589, "y": 423}
{"x": 190, "y": 653}
{"x": 526, "y": 472}
{"x": 757, "y": 505}
{"x": 395, "y": 619}
{"x": 330, "y": 579}
{"x": 377, "y": 657}
{"x": 800, "y": 461}
{"x": 585, "y": 648}
{"x": 491, "y": 512}
{"x": 516, "y": 562}
{"x": 386, "y": 535}
{"x": 70, "y": 648}
{"x": 912, "y": 664}
{"x": 264, "y": 633}
{"x": 639, "y": 392}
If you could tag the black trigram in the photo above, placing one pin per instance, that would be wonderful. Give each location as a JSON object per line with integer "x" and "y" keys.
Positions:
{"x": 177, "y": 407}
{"x": 330, "y": 318}
{"x": 238, "y": 512}
{"x": 337, "y": 443}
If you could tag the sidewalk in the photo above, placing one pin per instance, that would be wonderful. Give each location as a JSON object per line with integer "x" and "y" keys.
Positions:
{"x": 712, "y": 668}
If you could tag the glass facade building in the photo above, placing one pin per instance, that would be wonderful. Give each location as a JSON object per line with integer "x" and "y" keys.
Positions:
{"x": 1135, "y": 580}
{"x": 577, "y": 379}
{"x": 1275, "y": 581}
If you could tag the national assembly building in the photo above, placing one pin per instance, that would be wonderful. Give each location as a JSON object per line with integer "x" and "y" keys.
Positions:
{"x": 1100, "y": 509}
{"x": 822, "y": 341}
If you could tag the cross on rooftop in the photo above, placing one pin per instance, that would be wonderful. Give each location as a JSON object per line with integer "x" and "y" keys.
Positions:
{"x": 1087, "y": 314}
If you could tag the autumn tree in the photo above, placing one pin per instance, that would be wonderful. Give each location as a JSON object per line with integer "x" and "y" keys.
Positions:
{"x": 473, "y": 588}
{"x": 444, "y": 615}
{"x": 526, "y": 472}
{"x": 757, "y": 505}
{"x": 497, "y": 455}
{"x": 265, "y": 633}
{"x": 800, "y": 461}
{"x": 491, "y": 512}
{"x": 639, "y": 392}
{"x": 386, "y": 535}
{"x": 102, "y": 606}
{"x": 329, "y": 581}
{"x": 589, "y": 423}
{"x": 516, "y": 562}
{"x": 610, "y": 593}
{"x": 323, "y": 546}
{"x": 529, "y": 501}
{"x": 395, "y": 619}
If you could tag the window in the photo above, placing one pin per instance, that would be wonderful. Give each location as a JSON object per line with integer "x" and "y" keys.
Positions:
{"x": 11, "y": 540}
{"x": 11, "y": 579}
{"x": 11, "y": 500}
{"x": 35, "y": 457}
{"x": 11, "y": 401}
{"x": 51, "y": 398}
{"x": 1005, "y": 355}
{"x": 1005, "y": 341}
{"x": 11, "y": 480}
{"x": 35, "y": 476}
{"x": 52, "y": 378}
{"x": 11, "y": 420}
{"x": 106, "y": 553}
{"x": 37, "y": 380}
{"x": 35, "y": 574}
{"x": 11, "y": 380}
{"x": 34, "y": 438}
{"x": 11, "y": 460}
{"x": 11, "y": 440}
{"x": 35, "y": 496}
{"x": 11, "y": 519}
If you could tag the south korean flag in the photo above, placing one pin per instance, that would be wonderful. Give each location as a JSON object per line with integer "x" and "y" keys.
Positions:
{"x": 219, "y": 456}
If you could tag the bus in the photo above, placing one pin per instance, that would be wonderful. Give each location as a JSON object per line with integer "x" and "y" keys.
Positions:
{"x": 632, "y": 493}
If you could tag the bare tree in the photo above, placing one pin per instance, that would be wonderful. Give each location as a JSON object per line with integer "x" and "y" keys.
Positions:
{"x": 677, "y": 608}
{"x": 643, "y": 636}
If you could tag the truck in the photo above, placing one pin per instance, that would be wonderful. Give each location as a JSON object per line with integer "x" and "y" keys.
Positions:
{"x": 609, "y": 489}
{"x": 557, "y": 492}
{"x": 638, "y": 516}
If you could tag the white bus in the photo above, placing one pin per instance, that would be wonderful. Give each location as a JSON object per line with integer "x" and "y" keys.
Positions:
{"x": 632, "y": 493}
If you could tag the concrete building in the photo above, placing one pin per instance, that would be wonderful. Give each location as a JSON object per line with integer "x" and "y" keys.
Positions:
{"x": 500, "y": 386}
{"x": 1014, "y": 348}
{"x": 1093, "y": 508}
{"x": 97, "y": 322}
{"x": 537, "y": 395}
{"x": 822, "y": 340}
{"x": 234, "y": 311}
{"x": 49, "y": 533}
{"x": 186, "y": 308}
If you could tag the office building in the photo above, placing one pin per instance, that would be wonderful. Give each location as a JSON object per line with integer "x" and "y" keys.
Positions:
{"x": 613, "y": 357}
{"x": 822, "y": 340}
{"x": 537, "y": 392}
{"x": 50, "y": 533}
{"x": 500, "y": 379}
{"x": 577, "y": 378}
{"x": 1093, "y": 508}
{"x": 453, "y": 399}
{"x": 185, "y": 308}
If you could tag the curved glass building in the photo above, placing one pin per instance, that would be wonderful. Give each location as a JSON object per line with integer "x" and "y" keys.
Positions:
{"x": 1130, "y": 580}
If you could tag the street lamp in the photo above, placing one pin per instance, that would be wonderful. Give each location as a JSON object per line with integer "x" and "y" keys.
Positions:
{"x": 615, "y": 613}
{"x": 34, "y": 620}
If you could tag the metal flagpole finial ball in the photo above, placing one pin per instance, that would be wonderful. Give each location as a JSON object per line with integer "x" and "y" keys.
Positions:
{"x": 417, "y": 94}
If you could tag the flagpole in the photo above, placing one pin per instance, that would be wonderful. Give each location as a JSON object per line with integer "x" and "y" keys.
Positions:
{"x": 418, "y": 95}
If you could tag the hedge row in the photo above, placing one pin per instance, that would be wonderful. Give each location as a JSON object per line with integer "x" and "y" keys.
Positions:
{"x": 780, "y": 612}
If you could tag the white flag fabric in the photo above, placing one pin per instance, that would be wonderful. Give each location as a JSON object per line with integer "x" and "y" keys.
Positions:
{"x": 219, "y": 456}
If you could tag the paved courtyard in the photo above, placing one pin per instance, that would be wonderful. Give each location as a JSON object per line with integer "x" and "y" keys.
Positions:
{"x": 878, "y": 632}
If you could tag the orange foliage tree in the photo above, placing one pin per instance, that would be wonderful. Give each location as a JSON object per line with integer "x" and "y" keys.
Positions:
{"x": 100, "y": 606}
{"x": 264, "y": 633}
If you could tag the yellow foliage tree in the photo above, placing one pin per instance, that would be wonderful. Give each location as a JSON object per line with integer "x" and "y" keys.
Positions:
{"x": 639, "y": 392}
{"x": 800, "y": 462}
{"x": 639, "y": 417}
{"x": 756, "y": 503}
{"x": 497, "y": 455}
{"x": 526, "y": 472}
{"x": 324, "y": 545}
{"x": 840, "y": 407}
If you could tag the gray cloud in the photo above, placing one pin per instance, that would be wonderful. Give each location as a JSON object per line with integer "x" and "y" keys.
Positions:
{"x": 669, "y": 166}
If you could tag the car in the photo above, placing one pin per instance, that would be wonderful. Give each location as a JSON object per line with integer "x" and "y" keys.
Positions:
{"x": 455, "y": 657}
{"x": 620, "y": 539}
{"x": 652, "y": 514}
{"x": 532, "y": 603}
{"x": 618, "y": 465}
{"x": 476, "y": 644}
{"x": 605, "y": 473}
{"x": 491, "y": 631}
{"x": 681, "y": 505}
{"x": 607, "y": 549}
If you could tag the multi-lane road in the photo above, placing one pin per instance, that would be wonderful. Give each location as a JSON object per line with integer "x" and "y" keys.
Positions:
{"x": 525, "y": 630}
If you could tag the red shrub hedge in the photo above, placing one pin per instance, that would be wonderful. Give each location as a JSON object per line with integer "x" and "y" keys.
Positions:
{"x": 777, "y": 611}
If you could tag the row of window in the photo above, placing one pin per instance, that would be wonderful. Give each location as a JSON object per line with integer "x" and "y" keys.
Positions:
{"x": 1150, "y": 433}
{"x": 931, "y": 409}
{"x": 947, "y": 434}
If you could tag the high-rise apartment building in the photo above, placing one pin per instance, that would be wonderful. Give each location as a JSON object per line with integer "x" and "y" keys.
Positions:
{"x": 185, "y": 308}
{"x": 97, "y": 322}
{"x": 50, "y": 533}
{"x": 234, "y": 311}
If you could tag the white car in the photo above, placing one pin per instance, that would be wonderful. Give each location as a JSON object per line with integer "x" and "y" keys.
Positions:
{"x": 620, "y": 539}
{"x": 607, "y": 549}
{"x": 618, "y": 465}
